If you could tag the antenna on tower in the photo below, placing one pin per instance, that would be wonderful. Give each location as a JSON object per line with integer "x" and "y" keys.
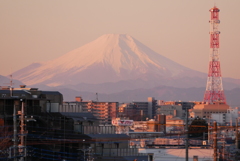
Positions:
{"x": 215, "y": 3}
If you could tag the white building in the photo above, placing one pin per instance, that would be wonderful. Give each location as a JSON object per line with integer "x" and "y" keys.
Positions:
{"x": 226, "y": 118}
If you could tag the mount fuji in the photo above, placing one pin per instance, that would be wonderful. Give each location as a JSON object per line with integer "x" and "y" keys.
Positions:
{"x": 110, "y": 58}
{"x": 119, "y": 68}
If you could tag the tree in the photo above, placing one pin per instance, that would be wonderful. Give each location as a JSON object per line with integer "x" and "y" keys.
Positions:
{"x": 197, "y": 128}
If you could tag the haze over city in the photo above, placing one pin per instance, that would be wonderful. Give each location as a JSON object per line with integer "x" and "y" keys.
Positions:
{"x": 44, "y": 30}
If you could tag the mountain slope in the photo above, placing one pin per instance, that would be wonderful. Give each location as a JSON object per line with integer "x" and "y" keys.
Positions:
{"x": 110, "y": 58}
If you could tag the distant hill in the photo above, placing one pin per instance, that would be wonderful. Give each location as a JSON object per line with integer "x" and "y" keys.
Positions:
{"x": 160, "y": 93}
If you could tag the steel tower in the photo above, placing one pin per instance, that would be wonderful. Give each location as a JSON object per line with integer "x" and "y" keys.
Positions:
{"x": 214, "y": 89}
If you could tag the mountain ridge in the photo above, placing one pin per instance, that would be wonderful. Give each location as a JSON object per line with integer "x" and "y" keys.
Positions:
{"x": 165, "y": 93}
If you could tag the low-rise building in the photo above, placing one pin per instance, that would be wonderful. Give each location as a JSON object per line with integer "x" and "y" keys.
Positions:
{"x": 204, "y": 110}
{"x": 174, "y": 124}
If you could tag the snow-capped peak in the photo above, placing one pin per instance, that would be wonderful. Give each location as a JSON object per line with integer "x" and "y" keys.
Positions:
{"x": 115, "y": 56}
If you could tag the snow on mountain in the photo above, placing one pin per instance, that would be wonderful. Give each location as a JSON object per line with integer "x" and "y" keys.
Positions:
{"x": 109, "y": 58}
{"x": 24, "y": 72}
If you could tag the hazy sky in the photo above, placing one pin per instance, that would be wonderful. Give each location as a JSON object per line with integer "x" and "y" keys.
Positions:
{"x": 38, "y": 31}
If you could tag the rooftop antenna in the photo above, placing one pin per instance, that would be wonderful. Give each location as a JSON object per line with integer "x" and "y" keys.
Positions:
{"x": 11, "y": 85}
{"x": 97, "y": 97}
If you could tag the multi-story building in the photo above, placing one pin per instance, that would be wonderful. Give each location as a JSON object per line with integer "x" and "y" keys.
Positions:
{"x": 226, "y": 118}
{"x": 173, "y": 110}
{"x": 21, "y": 110}
{"x": 185, "y": 105}
{"x": 35, "y": 101}
{"x": 138, "y": 111}
{"x": 104, "y": 111}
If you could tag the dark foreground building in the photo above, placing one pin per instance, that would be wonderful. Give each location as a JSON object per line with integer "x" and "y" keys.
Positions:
{"x": 31, "y": 131}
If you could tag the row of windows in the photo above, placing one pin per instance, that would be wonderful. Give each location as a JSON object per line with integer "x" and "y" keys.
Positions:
{"x": 214, "y": 112}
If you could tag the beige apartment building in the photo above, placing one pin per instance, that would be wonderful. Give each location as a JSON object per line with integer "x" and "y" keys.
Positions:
{"x": 205, "y": 110}
{"x": 104, "y": 111}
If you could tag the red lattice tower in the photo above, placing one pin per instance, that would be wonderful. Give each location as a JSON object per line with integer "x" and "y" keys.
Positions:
{"x": 214, "y": 89}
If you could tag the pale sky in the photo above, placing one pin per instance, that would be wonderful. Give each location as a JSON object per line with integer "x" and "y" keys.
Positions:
{"x": 39, "y": 31}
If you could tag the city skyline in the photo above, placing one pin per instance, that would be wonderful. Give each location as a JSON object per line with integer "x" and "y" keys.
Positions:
{"x": 42, "y": 31}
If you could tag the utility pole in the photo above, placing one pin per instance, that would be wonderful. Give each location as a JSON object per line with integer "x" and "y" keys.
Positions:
{"x": 186, "y": 130}
{"x": 209, "y": 133}
{"x": 22, "y": 147}
{"x": 19, "y": 149}
{"x": 15, "y": 140}
{"x": 223, "y": 149}
{"x": 11, "y": 86}
{"x": 236, "y": 134}
{"x": 90, "y": 154}
{"x": 215, "y": 141}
